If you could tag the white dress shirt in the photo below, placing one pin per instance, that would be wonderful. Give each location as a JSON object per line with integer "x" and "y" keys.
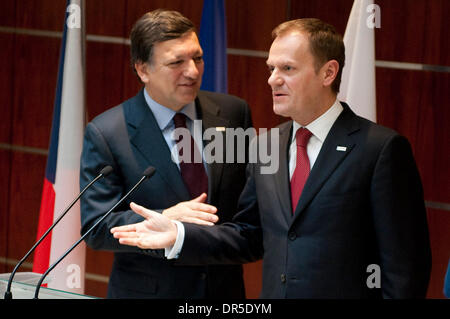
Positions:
{"x": 319, "y": 129}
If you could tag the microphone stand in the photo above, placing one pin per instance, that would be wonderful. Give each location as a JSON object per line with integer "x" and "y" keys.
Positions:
{"x": 8, "y": 294}
{"x": 147, "y": 174}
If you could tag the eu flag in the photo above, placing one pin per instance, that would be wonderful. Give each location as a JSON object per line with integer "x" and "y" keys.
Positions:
{"x": 213, "y": 40}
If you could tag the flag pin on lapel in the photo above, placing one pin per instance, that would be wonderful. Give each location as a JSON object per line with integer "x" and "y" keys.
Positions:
{"x": 220, "y": 129}
{"x": 341, "y": 148}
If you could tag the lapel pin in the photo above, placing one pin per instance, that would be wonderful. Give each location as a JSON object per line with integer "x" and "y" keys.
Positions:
{"x": 341, "y": 148}
{"x": 220, "y": 129}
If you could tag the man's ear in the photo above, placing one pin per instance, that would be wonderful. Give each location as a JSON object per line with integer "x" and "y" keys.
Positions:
{"x": 142, "y": 71}
{"x": 330, "y": 71}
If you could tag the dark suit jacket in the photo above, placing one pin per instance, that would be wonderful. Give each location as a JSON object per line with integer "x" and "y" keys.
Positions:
{"x": 128, "y": 138}
{"x": 359, "y": 207}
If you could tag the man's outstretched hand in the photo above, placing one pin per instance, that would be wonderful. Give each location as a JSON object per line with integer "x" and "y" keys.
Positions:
{"x": 155, "y": 232}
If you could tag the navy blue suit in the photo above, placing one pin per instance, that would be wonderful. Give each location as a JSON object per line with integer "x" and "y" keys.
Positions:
{"x": 128, "y": 138}
{"x": 359, "y": 207}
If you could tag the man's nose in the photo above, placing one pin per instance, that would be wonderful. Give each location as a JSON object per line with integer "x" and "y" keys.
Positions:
{"x": 191, "y": 70}
{"x": 275, "y": 79}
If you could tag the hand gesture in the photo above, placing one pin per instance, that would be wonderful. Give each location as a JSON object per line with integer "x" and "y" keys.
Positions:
{"x": 155, "y": 232}
{"x": 193, "y": 211}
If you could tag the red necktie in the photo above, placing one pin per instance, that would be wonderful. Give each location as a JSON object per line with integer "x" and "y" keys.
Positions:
{"x": 302, "y": 167}
{"x": 193, "y": 174}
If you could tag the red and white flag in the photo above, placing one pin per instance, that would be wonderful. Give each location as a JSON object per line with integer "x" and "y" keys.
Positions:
{"x": 61, "y": 183}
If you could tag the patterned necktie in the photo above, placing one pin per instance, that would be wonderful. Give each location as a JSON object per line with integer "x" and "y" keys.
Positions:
{"x": 193, "y": 174}
{"x": 302, "y": 167}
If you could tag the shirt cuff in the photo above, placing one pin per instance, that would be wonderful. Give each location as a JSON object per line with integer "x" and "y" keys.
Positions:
{"x": 174, "y": 251}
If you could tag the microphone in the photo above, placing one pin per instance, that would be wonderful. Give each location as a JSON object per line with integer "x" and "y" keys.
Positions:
{"x": 103, "y": 173}
{"x": 146, "y": 174}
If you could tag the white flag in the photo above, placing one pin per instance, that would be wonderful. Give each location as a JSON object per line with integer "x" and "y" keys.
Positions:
{"x": 358, "y": 76}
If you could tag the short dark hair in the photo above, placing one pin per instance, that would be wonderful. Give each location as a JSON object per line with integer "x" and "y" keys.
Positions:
{"x": 153, "y": 27}
{"x": 325, "y": 43}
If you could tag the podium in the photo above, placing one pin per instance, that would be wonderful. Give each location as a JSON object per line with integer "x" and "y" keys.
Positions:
{"x": 24, "y": 286}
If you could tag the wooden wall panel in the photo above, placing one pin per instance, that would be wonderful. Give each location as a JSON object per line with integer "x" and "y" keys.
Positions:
{"x": 34, "y": 83}
{"x": 42, "y": 15}
{"x": 27, "y": 171}
{"x": 6, "y": 125}
{"x": 332, "y": 12}
{"x": 7, "y": 16}
{"x": 414, "y": 31}
{"x": 6, "y": 93}
{"x": 135, "y": 9}
{"x": 423, "y": 116}
{"x": 7, "y": 63}
{"x": 250, "y": 23}
{"x": 8, "y": 13}
{"x": 252, "y": 279}
{"x": 5, "y": 177}
{"x": 247, "y": 78}
{"x": 106, "y": 17}
{"x": 36, "y": 67}
{"x": 131, "y": 82}
{"x": 96, "y": 288}
{"x": 104, "y": 76}
{"x": 439, "y": 224}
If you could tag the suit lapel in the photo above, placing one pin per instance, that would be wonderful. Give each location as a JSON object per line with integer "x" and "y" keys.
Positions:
{"x": 329, "y": 157}
{"x": 148, "y": 139}
{"x": 209, "y": 112}
{"x": 282, "y": 177}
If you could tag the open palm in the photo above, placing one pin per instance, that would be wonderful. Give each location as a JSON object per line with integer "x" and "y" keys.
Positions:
{"x": 155, "y": 232}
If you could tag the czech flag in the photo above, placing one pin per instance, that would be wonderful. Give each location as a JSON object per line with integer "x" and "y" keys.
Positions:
{"x": 61, "y": 183}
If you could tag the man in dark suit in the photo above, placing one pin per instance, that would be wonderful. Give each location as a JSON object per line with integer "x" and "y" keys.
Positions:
{"x": 344, "y": 215}
{"x": 167, "y": 57}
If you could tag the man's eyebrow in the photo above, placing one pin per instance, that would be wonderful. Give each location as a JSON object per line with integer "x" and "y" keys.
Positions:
{"x": 281, "y": 62}
{"x": 183, "y": 56}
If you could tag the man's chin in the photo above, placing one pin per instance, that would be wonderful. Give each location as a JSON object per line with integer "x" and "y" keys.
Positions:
{"x": 187, "y": 93}
{"x": 187, "y": 98}
{"x": 281, "y": 110}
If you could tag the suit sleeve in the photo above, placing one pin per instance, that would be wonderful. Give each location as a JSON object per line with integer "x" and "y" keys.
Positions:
{"x": 103, "y": 195}
{"x": 400, "y": 222}
{"x": 236, "y": 242}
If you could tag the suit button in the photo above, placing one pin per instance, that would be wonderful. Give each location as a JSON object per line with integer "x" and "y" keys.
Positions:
{"x": 283, "y": 278}
{"x": 292, "y": 235}
{"x": 202, "y": 276}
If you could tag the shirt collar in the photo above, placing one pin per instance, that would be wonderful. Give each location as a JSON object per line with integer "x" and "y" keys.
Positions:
{"x": 322, "y": 125}
{"x": 164, "y": 115}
